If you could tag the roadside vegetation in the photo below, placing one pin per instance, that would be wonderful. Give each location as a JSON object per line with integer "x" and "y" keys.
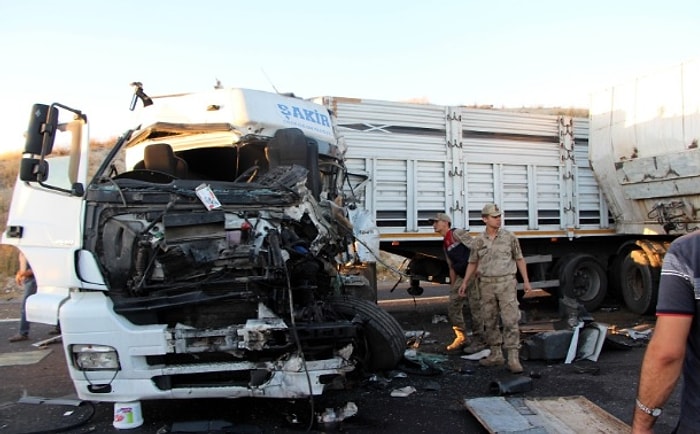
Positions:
{"x": 9, "y": 166}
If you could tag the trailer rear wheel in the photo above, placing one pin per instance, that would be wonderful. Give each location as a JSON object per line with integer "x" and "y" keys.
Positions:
{"x": 637, "y": 283}
{"x": 584, "y": 279}
{"x": 383, "y": 336}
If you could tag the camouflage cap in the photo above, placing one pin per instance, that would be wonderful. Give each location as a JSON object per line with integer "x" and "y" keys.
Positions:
{"x": 441, "y": 216}
{"x": 491, "y": 209}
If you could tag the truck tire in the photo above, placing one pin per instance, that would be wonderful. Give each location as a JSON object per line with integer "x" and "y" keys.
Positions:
{"x": 637, "y": 283}
{"x": 585, "y": 280}
{"x": 383, "y": 336}
{"x": 615, "y": 277}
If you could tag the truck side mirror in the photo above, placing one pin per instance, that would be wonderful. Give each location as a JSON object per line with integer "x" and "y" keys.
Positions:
{"x": 33, "y": 169}
{"x": 42, "y": 128}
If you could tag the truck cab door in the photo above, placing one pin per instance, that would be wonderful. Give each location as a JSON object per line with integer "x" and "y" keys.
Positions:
{"x": 46, "y": 212}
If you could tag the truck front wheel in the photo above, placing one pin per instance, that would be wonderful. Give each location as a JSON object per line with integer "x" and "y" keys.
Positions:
{"x": 383, "y": 338}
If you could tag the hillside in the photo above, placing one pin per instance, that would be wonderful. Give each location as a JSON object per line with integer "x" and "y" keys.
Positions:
{"x": 9, "y": 165}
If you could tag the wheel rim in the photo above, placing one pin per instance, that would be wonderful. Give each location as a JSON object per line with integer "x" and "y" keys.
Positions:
{"x": 586, "y": 283}
{"x": 635, "y": 283}
{"x": 581, "y": 277}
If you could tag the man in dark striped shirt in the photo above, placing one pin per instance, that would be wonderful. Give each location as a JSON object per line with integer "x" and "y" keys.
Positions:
{"x": 675, "y": 345}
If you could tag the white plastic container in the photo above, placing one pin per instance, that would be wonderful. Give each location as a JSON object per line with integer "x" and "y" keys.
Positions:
{"x": 127, "y": 415}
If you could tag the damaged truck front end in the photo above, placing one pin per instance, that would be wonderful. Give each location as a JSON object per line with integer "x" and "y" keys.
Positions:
{"x": 210, "y": 255}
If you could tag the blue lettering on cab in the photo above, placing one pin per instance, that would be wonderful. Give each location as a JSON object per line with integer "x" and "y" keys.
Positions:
{"x": 313, "y": 116}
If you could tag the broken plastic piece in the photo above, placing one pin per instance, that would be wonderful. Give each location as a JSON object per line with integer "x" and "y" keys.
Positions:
{"x": 634, "y": 334}
{"x": 511, "y": 385}
{"x": 422, "y": 363}
{"x": 331, "y": 417}
{"x": 378, "y": 382}
{"x": 477, "y": 356}
{"x": 439, "y": 319}
{"x": 350, "y": 409}
{"x": 591, "y": 341}
{"x": 403, "y": 392}
{"x": 574, "y": 344}
{"x": 416, "y": 333}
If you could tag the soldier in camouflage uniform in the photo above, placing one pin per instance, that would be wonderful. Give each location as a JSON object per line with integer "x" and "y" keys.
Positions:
{"x": 496, "y": 256}
{"x": 456, "y": 244}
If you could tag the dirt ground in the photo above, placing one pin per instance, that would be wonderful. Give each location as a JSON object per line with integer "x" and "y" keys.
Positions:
{"x": 442, "y": 383}
{"x": 10, "y": 291}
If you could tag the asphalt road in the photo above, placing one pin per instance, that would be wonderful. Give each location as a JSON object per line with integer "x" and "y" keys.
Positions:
{"x": 39, "y": 397}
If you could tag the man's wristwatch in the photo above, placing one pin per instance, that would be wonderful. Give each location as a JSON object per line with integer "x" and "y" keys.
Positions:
{"x": 655, "y": 412}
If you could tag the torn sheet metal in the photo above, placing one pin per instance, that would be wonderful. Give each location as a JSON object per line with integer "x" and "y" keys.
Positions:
{"x": 591, "y": 341}
{"x": 574, "y": 344}
{"x": 583, "y": 342}
{"x": 587, "y": 342}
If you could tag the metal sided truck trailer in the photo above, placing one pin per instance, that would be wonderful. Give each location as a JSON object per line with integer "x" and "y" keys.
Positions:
{"x": 587, "y": 227}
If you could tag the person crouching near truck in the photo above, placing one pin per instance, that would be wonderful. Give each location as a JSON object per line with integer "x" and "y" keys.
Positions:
{"x": 496, "y": 256}
{"x": 456, "y": 244}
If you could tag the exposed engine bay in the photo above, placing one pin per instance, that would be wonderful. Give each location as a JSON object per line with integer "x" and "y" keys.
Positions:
{"x": 252, "y": 261}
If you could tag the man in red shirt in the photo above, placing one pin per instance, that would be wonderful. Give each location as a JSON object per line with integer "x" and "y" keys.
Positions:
{"x": 456, "y": 243}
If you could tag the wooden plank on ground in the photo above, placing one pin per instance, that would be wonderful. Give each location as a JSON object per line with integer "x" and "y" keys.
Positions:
{"x": 536, "y": 292}
{"x": 498, "y": 416}
{"x": 556, "y": 415}
{"x": 576, "y": 413}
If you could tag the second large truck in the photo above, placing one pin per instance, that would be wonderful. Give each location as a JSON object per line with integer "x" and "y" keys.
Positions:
{"x": 595, "y": 200}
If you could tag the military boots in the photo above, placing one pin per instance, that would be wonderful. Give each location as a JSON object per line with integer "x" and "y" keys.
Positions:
{"x": 514, "y": 361}
{"x": 494, "y": 359}
{"x": 459, "y": 341}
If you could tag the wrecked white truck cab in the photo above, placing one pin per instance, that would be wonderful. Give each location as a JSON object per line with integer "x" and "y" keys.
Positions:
{"x": 210, "y": 255}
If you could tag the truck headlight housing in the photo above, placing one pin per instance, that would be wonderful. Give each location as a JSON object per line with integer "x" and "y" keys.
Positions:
{"x": 95, "y": 358}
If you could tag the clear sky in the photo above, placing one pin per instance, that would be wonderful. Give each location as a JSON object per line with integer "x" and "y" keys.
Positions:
{"x": 85, "y": 53}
